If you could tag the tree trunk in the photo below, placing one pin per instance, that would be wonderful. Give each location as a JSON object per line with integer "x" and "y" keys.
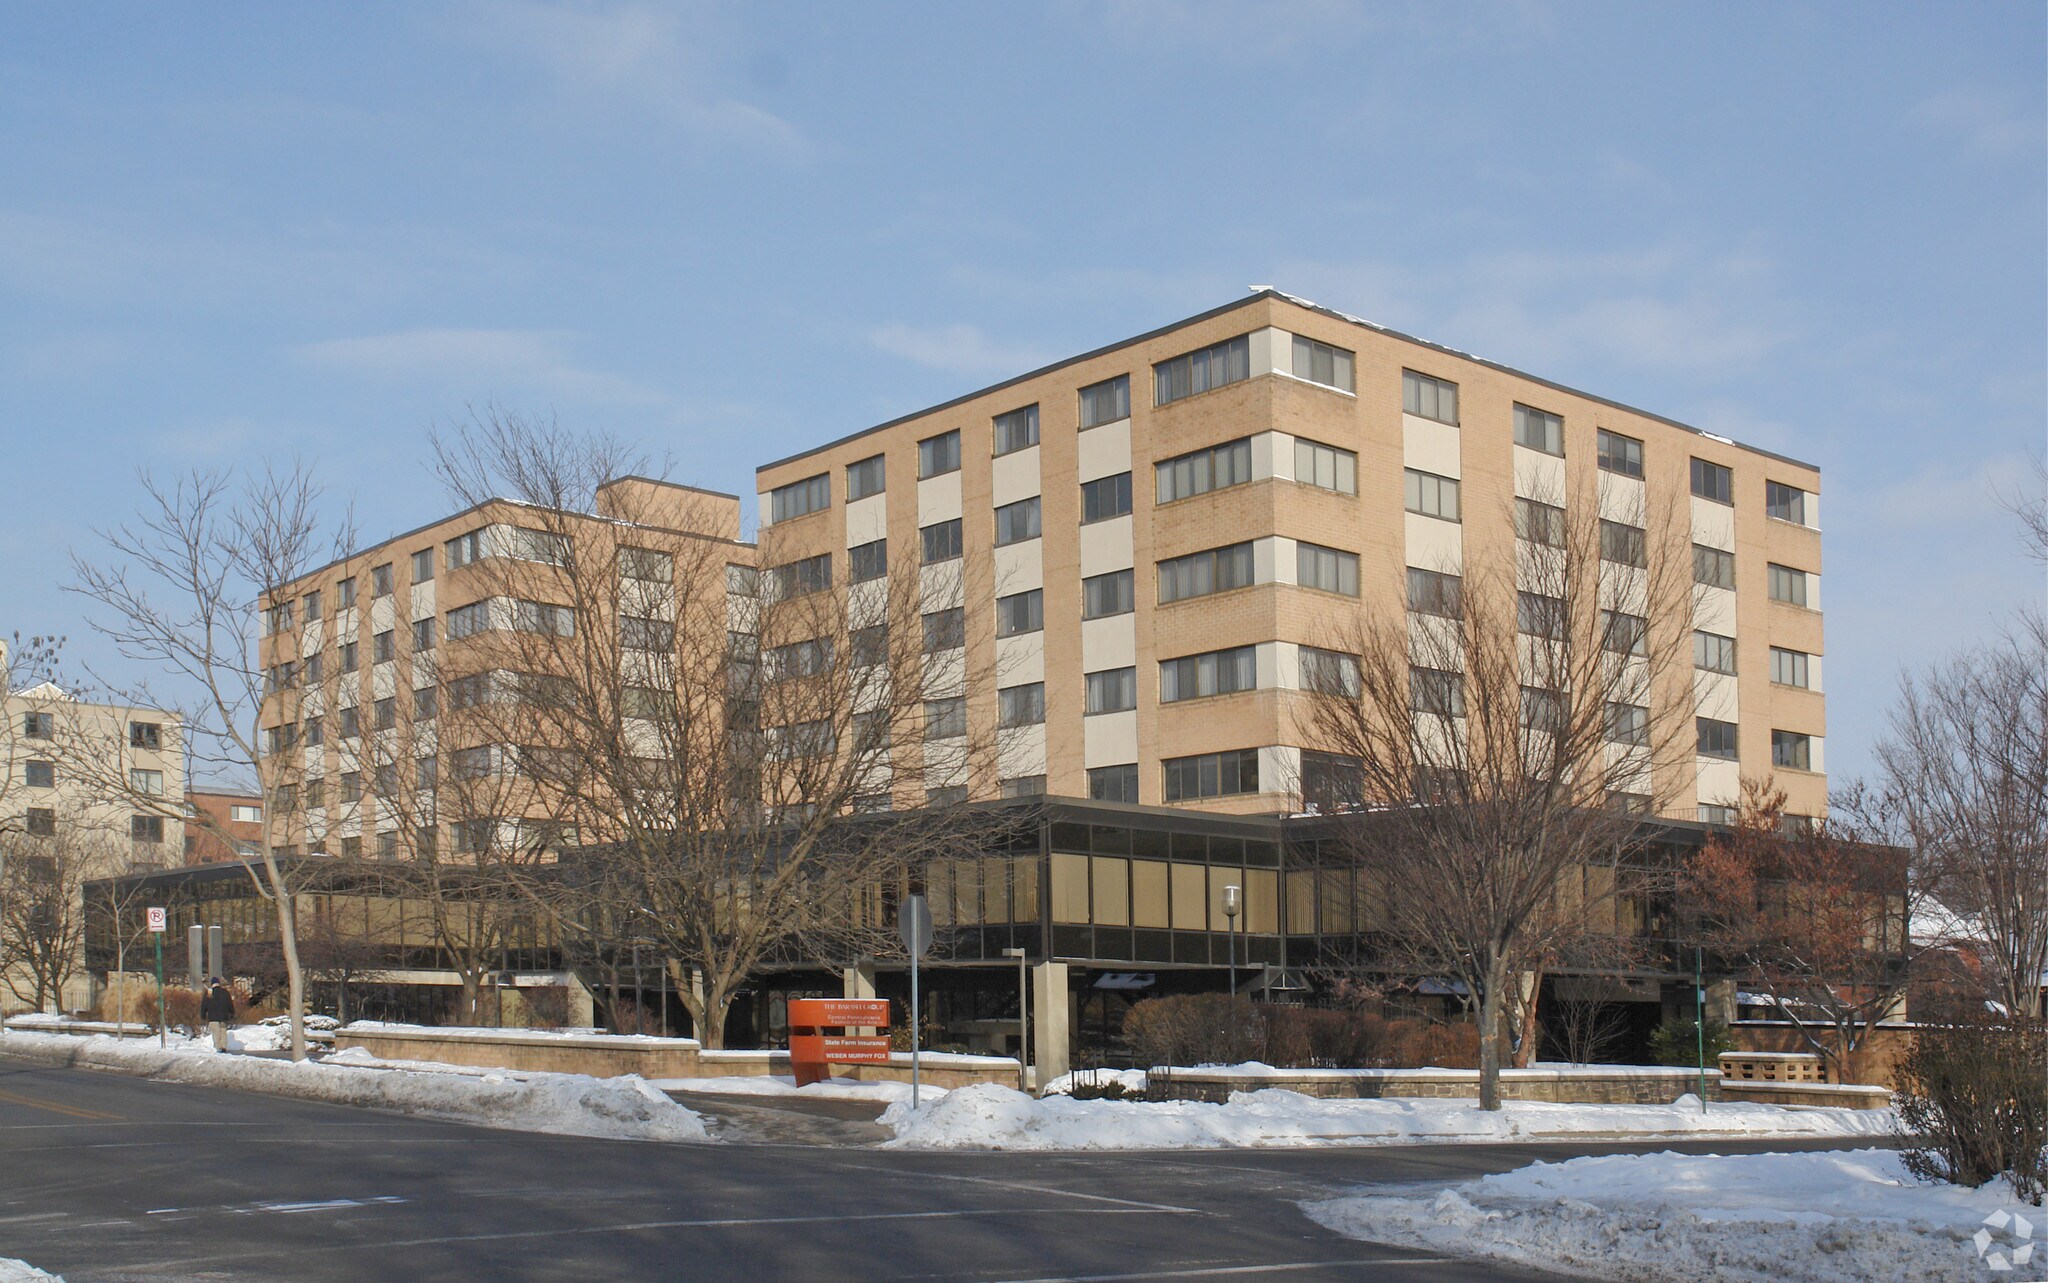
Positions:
{"x": 471, "y": 997}
{"x": 288, "y": 940}
{"x": 1528, "y": 989}
{"x": 1490, "y": 1035}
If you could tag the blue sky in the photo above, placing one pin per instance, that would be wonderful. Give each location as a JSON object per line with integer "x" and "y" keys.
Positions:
{"x": 731, "y": 232}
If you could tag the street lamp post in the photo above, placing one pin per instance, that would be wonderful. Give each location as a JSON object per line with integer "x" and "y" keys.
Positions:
{"x": 1231, "y": 896}
{"x": 1023, "y": 1019}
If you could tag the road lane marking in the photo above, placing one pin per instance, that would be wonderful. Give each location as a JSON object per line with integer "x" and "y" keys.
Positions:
{"x": 1020, "y": 1187}
{"x": 70, "y": 1111}
{"x": 1276, "y": 1267}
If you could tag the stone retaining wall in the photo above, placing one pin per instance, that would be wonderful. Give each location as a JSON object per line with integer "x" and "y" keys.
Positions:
{"x": 1624, "y": 1085}
{"x": 1832, "y": 1095}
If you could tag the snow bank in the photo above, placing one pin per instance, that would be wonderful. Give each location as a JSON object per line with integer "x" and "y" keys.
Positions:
{"x": 785, "y": 1085}
{"x": 1675, "y": 1218}
{"x": 986, "y": 1116}
{"x": 625, "y": 1108}
{"x": 13, "y": 1271}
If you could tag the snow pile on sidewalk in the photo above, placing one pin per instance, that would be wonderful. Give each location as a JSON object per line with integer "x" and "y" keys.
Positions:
{"x": 13, "y": 1271}
{"x": 625, "y": 1108}
{"x": 985, "y": 1116}
{"x": 1664, "y": 1218}
{"x": 785, "y": 1085}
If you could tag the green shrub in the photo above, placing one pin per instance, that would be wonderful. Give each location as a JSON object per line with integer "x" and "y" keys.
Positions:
{"x": 1973, "y": 1104}
{"x": 1677, "y": 1042}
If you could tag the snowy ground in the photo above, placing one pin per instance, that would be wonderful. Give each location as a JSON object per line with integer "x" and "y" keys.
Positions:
{"x": 991, "y": 1117}
{"x": 785, "y": 1085}
{"x": 1674, "y": 1218}
{"x": 13, "y": 1271}
{"x": 563, "y": 1104}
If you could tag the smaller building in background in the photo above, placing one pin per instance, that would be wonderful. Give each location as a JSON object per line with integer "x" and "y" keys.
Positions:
{"x": 226, "y": 826}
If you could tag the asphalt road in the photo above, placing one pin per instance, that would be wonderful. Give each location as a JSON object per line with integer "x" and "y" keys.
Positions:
{"x": 104, "y": 1177}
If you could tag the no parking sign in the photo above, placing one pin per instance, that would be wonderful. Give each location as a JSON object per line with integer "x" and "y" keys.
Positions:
{"x": 158, "y": 920}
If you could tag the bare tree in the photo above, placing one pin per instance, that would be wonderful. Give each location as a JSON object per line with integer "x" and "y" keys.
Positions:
{"x": 42, "y": 907}
{"x": 186, "y": 590}
{"x": 714, "y": 730}
{"x": 2029, "y": 502}
{"x": 1503, "y": 739}
{"x": 1967, "y": 752}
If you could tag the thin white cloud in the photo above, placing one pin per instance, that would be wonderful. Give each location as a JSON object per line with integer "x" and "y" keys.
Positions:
{"x": 960, "y": 349}
{"x": 478, "y": 361}
{"x": 667, "y": 61}
{"x": 1989, "y": 125}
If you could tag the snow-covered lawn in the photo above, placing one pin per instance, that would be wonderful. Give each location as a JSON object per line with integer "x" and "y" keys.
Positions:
{"x": 1836, "y": 1217}
{"x": 564, "y": 1104}
{"x": 991, "y": 1117}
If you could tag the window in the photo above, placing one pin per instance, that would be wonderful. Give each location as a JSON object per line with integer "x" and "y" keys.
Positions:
{"x": 146, "y": 828}
{"x": 1540, "y": 616}
{"x": 952, "y": 795}
{"x": 800, "y": 578}
{"x": 1431, "y": 495}
{"x": 1786, "y": 503}
{"x": 147, "y": 782}
{"x": 385, "y": 711}
{"x": 1713, "y": 567}
{"x": 344, "y": 593}
{"x": 539, "y": 545}
{"x": 1713, "y": 653}
{"x": 1211, "y": 775}
{"x": 1331, "y": 781}
{"x": 1539, "y": 523}
{"x": 1326, "y": 569}
{"x": 423, "y": 634}
{"x": 544, "y": 617}
{"x": 1106, "y": 595}
{"x": 1201, "y": 471}
{"x": 1539, "y": 430}
{"x": 869, "y": 646}
{"x": 277, "y": 618}
{"x": 1716, "y": 813}
{"x": 463, "y": 550}
{"x": 1106, "y": 402}
{"x": 1430, "y": 398}
{"x": 945, "y": 630}
{"x": 1789, "y": 667}
{"x": 243, "y": 814}
{"x": 799, "y": 659}
{"x": 463, "y": 764}
{"x": 1200, "y": 573}
{"x": 1623, "y": 633}
{"x": 1212, "y": 367}
{"x": 426, "y": 703}
{"x": 465, "y": 621}
{"x": 945, "y": 718}
{"x": 635, "y": 633}
{"x": 938, "y": 455}
{"x": 1623, "y": 544}
{"x": 426, "y": 772}
{"x": 646, "y": 565}
{"x": 1105, "y": 497}
{"x": 423, "y": 566}
{"x": 1321, "y": 363}
{"x": 1017, "y": 522}
{"x": 1620, "y": 454}
{"x": 1316, "y": 464}
{"x": 145, "y": 734}
{"x": 1792, "y": 750}
{"x": 741, "y": 581}
{"x": 1114, "y": 783}
{"x": 1022, "y": 786}
{"x": 39, "y": 774}
{"x": 1218, "y": 672}
{"x": 380, "y": 580}
{"x": 1020, "y": 613}
{"x": 867, "y": 561}
{"x": 1628, "y": 724}
{"x": 1436, "y": 692}
{"x": 314, "y": 732}
{"x": 310, "y": 606}
{"x": 1717, "y": 739}
{"x": 383, "y": 647}
{"x": 1712, "y": 481}
{"x": 1021, "y": 705}
{"x": 38, "y": 726}
{"x": 800, "y": 498}
{"x": 1431, "y": 592}
{"x": 1113, "y": 690}
{"x": 310, "y": 669}
{"x": 1542, "y": 711}
{"x": 1329, "y": 672}
{"x": 941, "y": 541}
{"x": 41, "y": 822}
{"x": 1627, "y": 803}
{"x": 469, "y": 692}
{"x": 869, "y": 476}
{"x": 1788, "y": 585}
{"x": 349, "y": 656}
{"x": 351, "y": 786}
{"x": 1017, "y": 430}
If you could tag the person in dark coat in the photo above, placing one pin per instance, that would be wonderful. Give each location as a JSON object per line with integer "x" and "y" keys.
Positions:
{"x": 217, "y": 1009}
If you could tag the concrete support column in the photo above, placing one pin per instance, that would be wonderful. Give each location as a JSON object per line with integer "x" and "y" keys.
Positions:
{"x": 858, "y": 981}
{"x": 1721, "y": 1001}
{"x": 1051, "y": 1020}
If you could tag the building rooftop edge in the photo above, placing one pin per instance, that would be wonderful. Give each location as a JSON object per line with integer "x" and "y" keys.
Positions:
{"x": 1257, "y": 296}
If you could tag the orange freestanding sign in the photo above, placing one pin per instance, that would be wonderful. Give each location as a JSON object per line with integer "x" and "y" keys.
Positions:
{"x": 812, "y": 1049}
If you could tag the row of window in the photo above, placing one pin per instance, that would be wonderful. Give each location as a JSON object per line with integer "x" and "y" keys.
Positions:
{"x": 41, "y": 822}
{"x": 41, "y": 725}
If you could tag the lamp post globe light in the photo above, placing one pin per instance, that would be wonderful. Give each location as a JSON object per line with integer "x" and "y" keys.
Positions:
{"x": 1231, "y": 897}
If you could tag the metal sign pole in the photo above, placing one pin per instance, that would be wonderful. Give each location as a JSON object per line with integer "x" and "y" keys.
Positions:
{"x": 159, "y": 921}
{"x": 914, "y": 926}
{"x": 1699, "y": 1015}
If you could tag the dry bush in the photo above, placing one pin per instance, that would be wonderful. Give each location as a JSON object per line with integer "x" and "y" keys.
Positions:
{"x": 181, "y": 1006}
{"x": 1973, "y": 1104}
{"x": 1196, "y": 1029}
